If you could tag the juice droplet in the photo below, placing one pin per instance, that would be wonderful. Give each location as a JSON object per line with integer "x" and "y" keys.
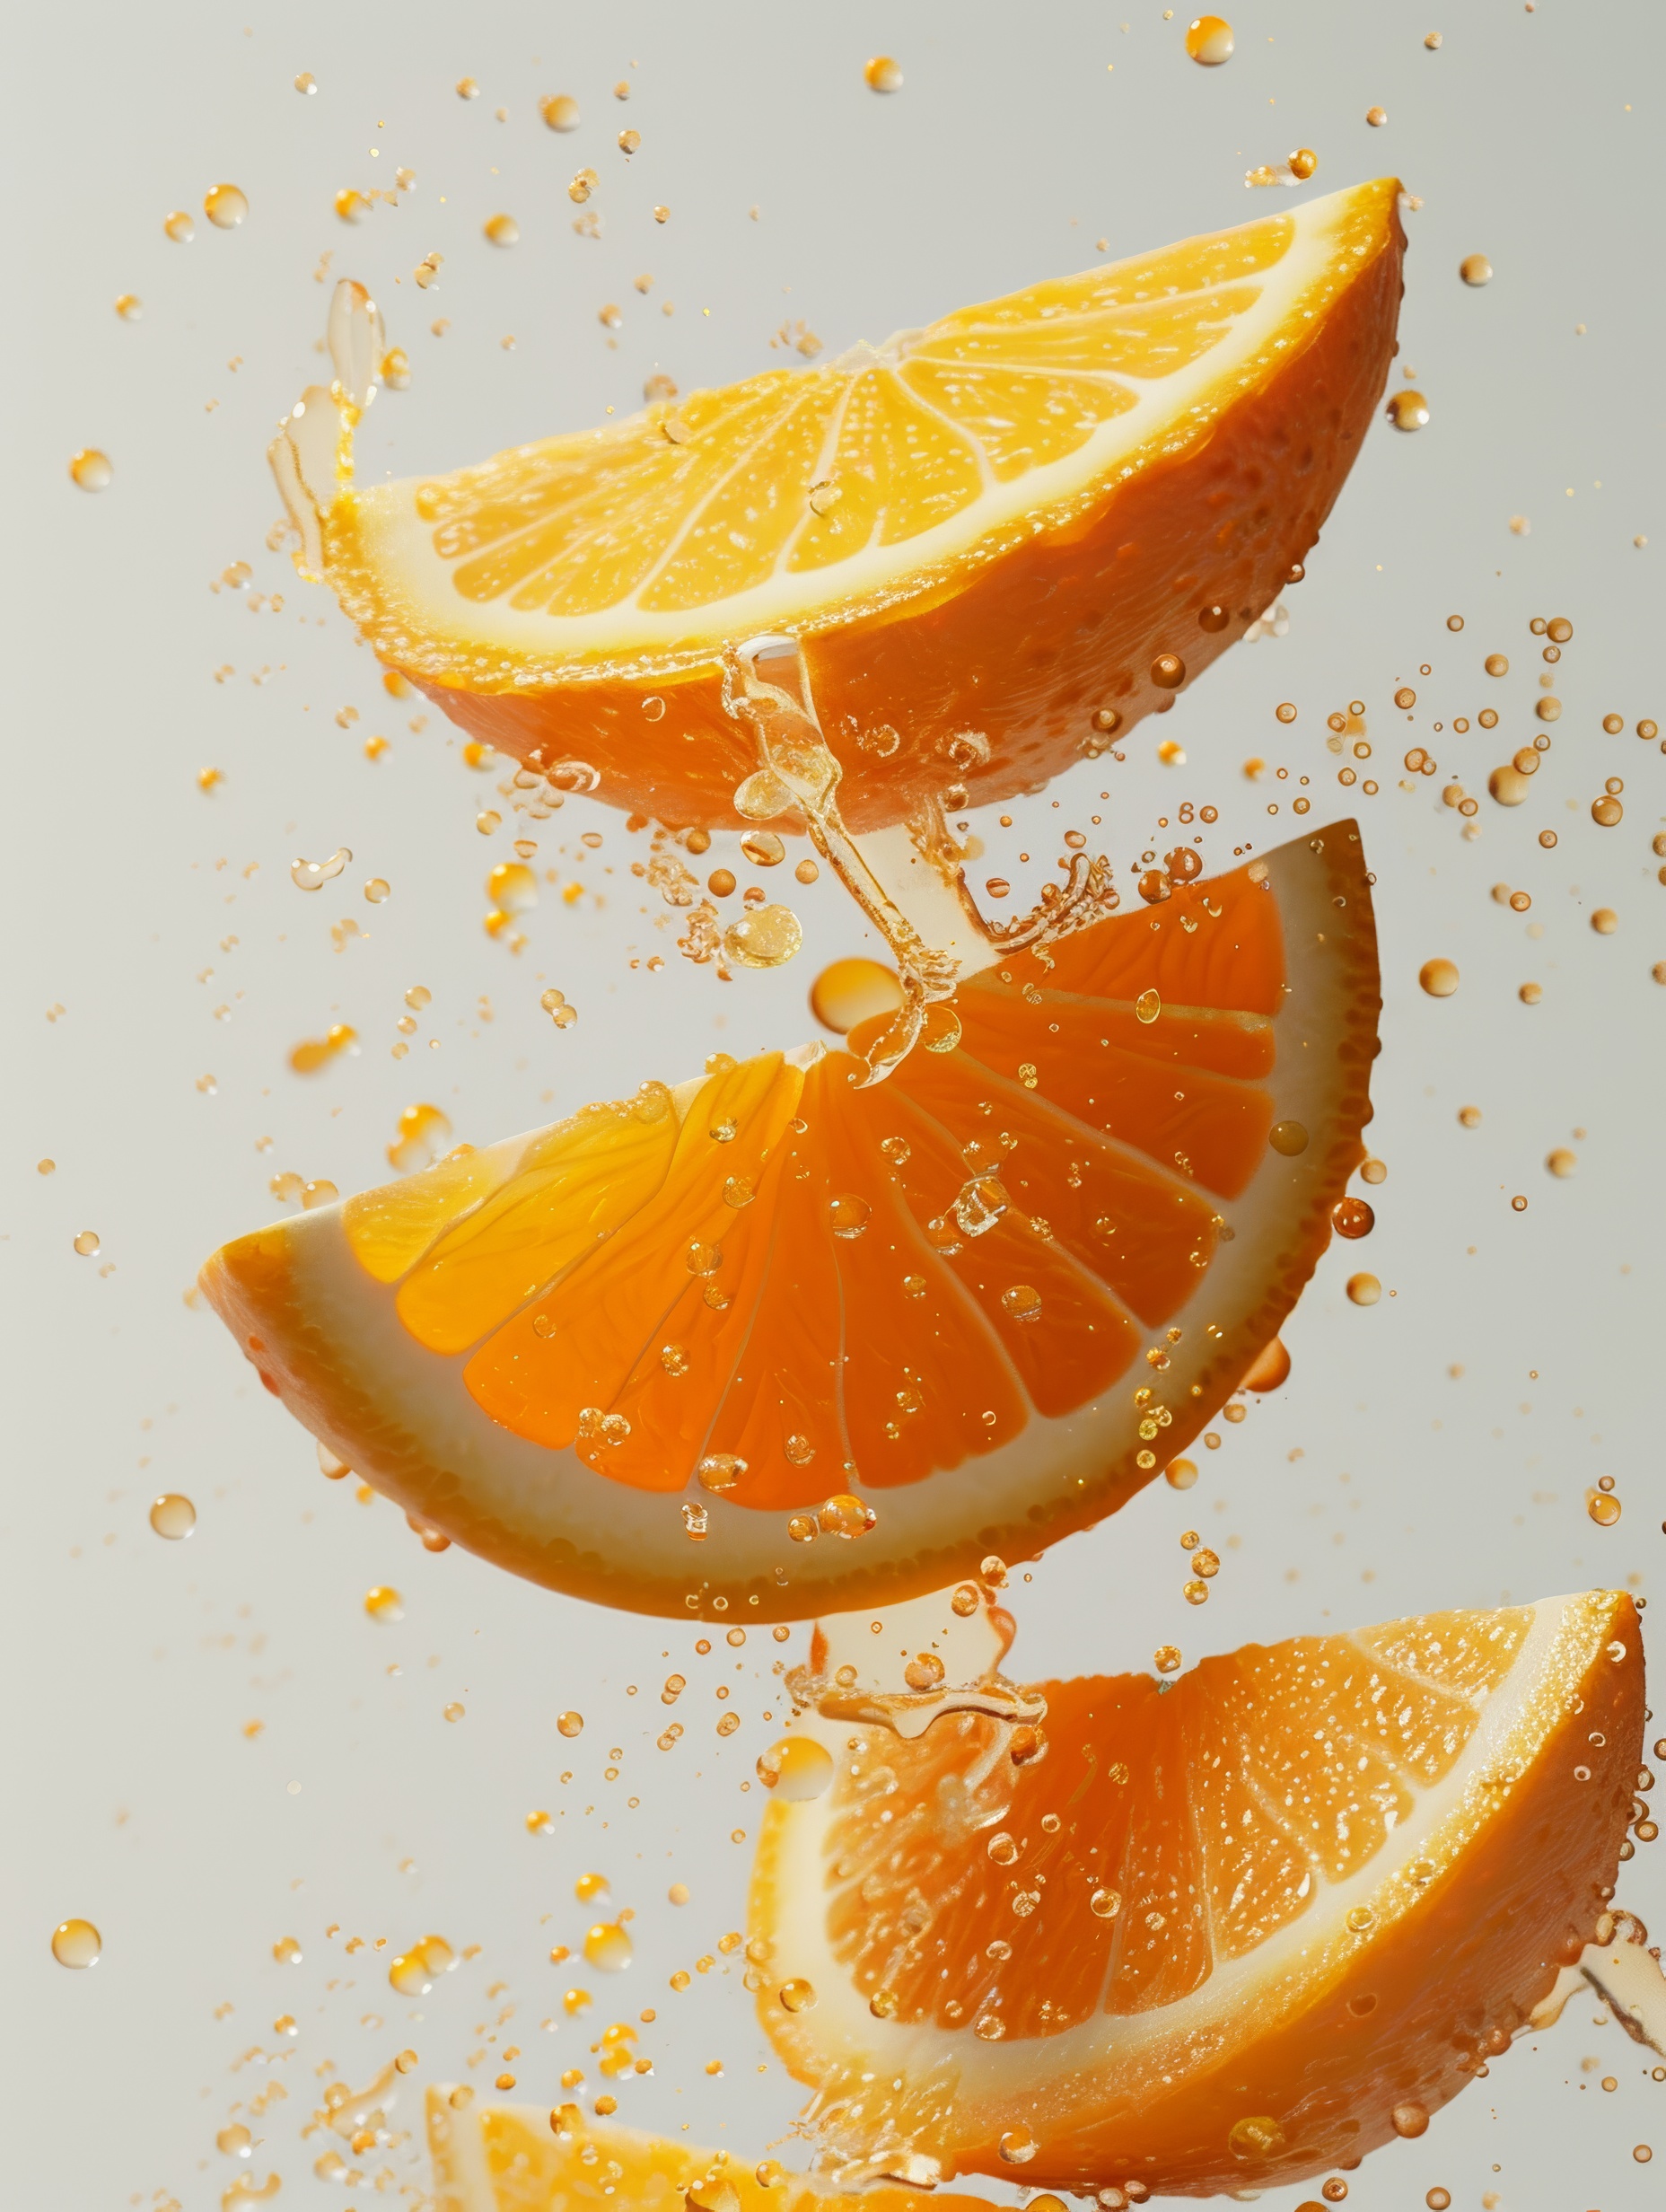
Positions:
{"x": 130, "y": 306}
{"x": 608, "y": 1948}
{"x": 180, "y": 227}
{"x": 1562, "y": 1161}
{"x": 76, "y": 1943}
{"x": 1353, "y": 1217}
{"x": 882, "y": 75}
{"x": 1363, "y": 1289}
{"x": 1180, "y": 1474}
{"x": 90, "y": 469}
{"x": 1410, "y": 2119}
{"x": 1168, "y": 672}
{"x": 1255, "y": 2137}
{"x": 224, "y": 206}
{"x": 87, "y": 1243}
{"x": 1407, "y": 410}
{"x": 1209, "y": 41}
{"x": 173, "y": 1516}
{"x": 560, "y": 111}
{"x": 502, "y": 230}
{"x": 419, "y": 1138}
{"x": 306, "y": 81}
{"x": 798, "y": 1996}
{"x": 570, "y": 1724}
{"x": 796, "y": 1769}
{"x": 378, "y": 890}
{"x": 1475, "y": 268}
{"x": 313, "y": 875}
{"x": 849, "y": 991}
{"x": 384, "y": 1604}
{"x": 1438, "y": 978}
{"x": 768, "y": 937}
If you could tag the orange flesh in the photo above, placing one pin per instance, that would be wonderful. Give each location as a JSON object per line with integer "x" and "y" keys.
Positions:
{"x": 581, "y": 1282}
{"x": 1214, "y": 1808}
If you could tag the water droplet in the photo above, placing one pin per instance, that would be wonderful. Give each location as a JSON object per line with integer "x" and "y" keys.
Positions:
{"x": 570, "y": 1724}
{"x": 798, "y": 1996}
{"x": 882, "y": 75}
{"x": 76, "y": 1943}
{"x": 1363, "y": 1289}
{"x": 225, "y": 206}
{"x": 1407, "y": 410}
{"x": 1353, "y": 1217}
{"x": 608, "y": 1948}
{"x": 1438, "y": 978}
{"x": 768, "y": 937}
{"x": 90, "y": 469}
{"x": 796, "y": 1769}
{"x": 559, "y": 111}
{"x": 173, "y": 1516}
{"x": 847, "y": 1215}
{"x": 180, "y": 227}
{"x": 1021, "y": 1302}
{"x": 87, "y": 1243}
{"x": 1209, "y": 41}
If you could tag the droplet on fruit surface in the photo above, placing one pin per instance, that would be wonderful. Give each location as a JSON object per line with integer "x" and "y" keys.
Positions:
{"x": 384, "y": 1603}
{"x": 1289, "y": 1139}
{"x": 798, "y": 1996}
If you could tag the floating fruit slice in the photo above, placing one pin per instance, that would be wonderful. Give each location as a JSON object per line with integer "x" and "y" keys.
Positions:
{"x": 1032, "y": 519}
{"x": 499, "y": 2158}
{"x": 775, "y": 1343}
{"x": 1228, "y": 1929}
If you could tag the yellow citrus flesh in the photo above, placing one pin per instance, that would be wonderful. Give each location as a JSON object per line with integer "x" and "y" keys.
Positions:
{"x": 773, "y": 1342}
{"x": 1223, "y": 1931}
{"x": 499, "y": 2158}
{"x": 1000, "y": 520}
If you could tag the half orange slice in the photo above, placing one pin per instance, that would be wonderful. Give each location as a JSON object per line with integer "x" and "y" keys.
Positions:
{"x": 773, "y": 1342}
{"x": 1028, "y": 522}
{"x": 1225, "y": 1931}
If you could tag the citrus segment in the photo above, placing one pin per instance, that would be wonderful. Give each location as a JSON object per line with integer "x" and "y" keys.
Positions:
{"x": 998, "y": 521}
{"x": 500, "y": 2158}
{"x": 643, "y": 1355}
{"x": 1226, "y": 1929}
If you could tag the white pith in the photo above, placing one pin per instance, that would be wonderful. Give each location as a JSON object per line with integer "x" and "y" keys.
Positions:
{"x": 521, "y": 1496}
{"x": 981, "y": 2088}
{"x": 415, "y": 591}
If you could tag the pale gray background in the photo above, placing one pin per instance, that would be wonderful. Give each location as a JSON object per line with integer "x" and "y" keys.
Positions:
{"x": 1374, "y": 1484}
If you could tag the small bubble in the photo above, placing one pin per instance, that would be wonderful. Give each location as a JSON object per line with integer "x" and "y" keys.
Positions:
{"x": 1021, "y": 1302}
{"x": 1606, "y": 812}
{"x": 467, "y": 89}
{"x": 130, "y": 306}
{"x": 798, "y": 1996}
{"x": 1410, "y": 2120}
{"x": 1180, "y": 1474}
{"x": 1209, "y": 41}
{"x": 1288, "y": 1138}
{"x": 1256, "y": 2138}
{"x": 1017, "y": 2146}
{"x": 768, "y": 937}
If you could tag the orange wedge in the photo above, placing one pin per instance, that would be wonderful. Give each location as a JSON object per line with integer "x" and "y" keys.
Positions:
{"x": 499, "y": 2158}
{"x": 1226, "y": 1931}
{"x": 773, "y": 1342}
{"x": 1031, "y": 520}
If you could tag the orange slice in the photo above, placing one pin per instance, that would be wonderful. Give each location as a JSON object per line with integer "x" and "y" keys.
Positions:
{"x": 500, "y": 2158}
{"x": 774, "y": 1343}
{"x": 1003, "y": 521}
{"x": 1228, "y": 1929}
